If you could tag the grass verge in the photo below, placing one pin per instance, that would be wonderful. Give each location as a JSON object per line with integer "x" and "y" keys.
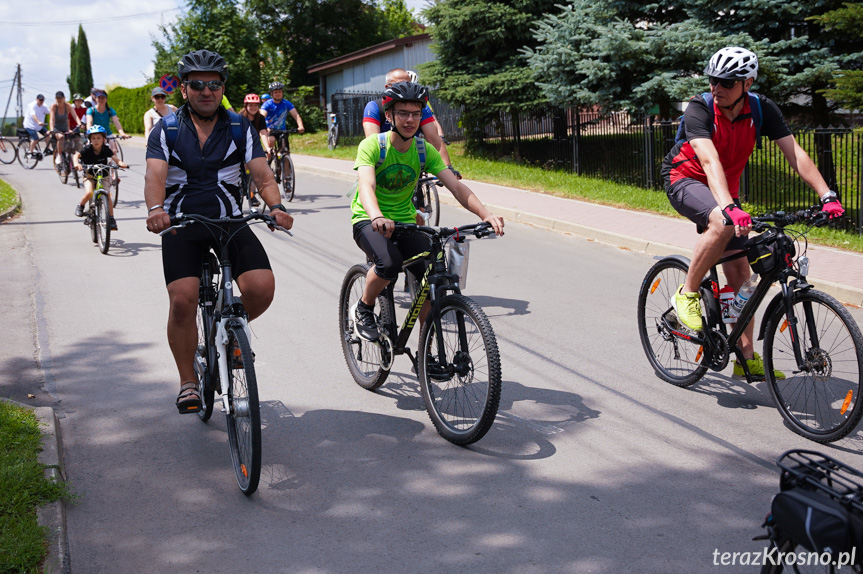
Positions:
{"x": 563, "y": 184}
{"x": 23, "y": 488}
{"x": 8, "y": 197}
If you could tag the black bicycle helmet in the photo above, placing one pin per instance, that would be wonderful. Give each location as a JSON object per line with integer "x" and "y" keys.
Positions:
{"x": 405, "y": 92}
{"x": 276, "y": 86}
{"x": 202, "y": 61}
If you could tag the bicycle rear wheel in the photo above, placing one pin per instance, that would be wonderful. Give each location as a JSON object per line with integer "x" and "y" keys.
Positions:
{"x": 288, "y": 177}
{"x": 8, "y": 152}
{"x": 461, "y": 391}
{"x": 204, "y": 364}
{"x": 115, "y": 186}
{"x": 821, "y": 403}
{"x": 244, "y": 420}
{"x": 25, "y": 158}
{"x": 102, "y": 227}
{"x": 119, "y": 148}
{"x": 365, "y": 359}
{"x": 674, "y": 360}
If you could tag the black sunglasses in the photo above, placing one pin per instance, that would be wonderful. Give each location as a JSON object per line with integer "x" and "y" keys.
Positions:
{"x": 199, "y": 85}
{"x": 725, "y": 83}
{"x": 159, "y": 96}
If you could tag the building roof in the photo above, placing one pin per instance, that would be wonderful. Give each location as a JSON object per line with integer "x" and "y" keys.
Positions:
{"x": 342, "y": 61}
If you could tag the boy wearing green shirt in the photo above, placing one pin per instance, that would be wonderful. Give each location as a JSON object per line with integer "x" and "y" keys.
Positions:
{"x": 384, "y": 196}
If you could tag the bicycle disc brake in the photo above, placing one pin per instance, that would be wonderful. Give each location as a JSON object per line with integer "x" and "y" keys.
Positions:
{"x": 387, "y": 354}
{"x": 716, "y": 350}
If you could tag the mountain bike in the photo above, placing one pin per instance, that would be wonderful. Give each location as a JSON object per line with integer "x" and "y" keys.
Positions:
{"x": 8, "y": 150}
{"x": 426, "y": 198}
{"x": 815, "y": 523}
{"x": 807, "y": 334}
{"x": 65, "y": 167}
{"x": 28, "y": 159}
{"x": 457, "y": 361}
{"x": 114, "y": 142}
{"x": 281, "y": 162}
{"x": 97, "y": 214}
{"x": 224, "y": 361}
{"x": 333, "y": 135}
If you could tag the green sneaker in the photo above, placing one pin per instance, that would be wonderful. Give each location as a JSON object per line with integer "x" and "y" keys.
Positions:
{"x": 688, "y": 309}
{"x": 756, "y": 369}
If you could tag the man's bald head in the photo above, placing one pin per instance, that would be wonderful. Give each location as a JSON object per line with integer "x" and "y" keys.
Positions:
{"x": 395, "y": 76}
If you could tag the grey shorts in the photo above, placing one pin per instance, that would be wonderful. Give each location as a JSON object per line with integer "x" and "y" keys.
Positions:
{"x": 694, "y": 200}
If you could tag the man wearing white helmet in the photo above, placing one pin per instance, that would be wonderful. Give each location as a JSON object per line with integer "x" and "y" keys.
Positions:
{"x": 702, "y": 179}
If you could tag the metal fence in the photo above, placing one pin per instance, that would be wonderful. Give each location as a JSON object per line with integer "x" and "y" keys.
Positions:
{"x": 629, "y": 148}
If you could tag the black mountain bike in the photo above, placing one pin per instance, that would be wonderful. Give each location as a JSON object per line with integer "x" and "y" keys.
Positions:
{"x": 426, "y": 198}
{"x": 816, "y": 521}
{"x": 807, "y": 334}
{"x": 224, "y": 361}
{"x": 457, "y": 363}
{"x": 8, "y": 150}
{"x": 282, "y": 164}
{"x": 96, "y": 216}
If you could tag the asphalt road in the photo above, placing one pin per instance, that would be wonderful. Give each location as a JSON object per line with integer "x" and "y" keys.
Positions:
{"x": 593, "y": 464}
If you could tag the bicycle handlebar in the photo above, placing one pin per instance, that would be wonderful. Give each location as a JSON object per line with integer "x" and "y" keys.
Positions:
{"x": 119, "y": 137}
{"x": 433, "y": 178}
{"x": 480, "y": 230}
{"x": 100, "y": 166}
{"x": 183, "y": 219}
{"x": 813, "y": 216}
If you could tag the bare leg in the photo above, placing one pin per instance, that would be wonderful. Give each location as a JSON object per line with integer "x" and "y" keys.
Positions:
{"x": 182, "y": 328}
{"x": 708, "y": 250}
{"x": 257, "y": 287}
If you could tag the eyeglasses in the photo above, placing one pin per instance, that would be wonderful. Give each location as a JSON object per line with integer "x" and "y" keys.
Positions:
{"x": 199, "y": 85}
{"x": 403, "y": 115}
{"x": 725, "y": 83}
{"x": 159, "y": 96}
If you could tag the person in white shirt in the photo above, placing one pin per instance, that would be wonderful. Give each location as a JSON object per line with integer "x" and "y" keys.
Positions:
{"x": 159, "y": 110}
{"x": 34, "y": 120}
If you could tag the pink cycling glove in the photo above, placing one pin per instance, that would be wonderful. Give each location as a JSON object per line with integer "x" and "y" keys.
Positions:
{"x": 833, "y": 208}
{"x": 737, "y": 216}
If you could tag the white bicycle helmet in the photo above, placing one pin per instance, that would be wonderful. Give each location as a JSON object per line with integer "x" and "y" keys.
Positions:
{"x": 412, "y": 76}
{"x": 733, "y": 63}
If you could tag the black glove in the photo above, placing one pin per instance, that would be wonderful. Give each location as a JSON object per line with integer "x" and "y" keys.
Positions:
{"x": 454, "y": 171}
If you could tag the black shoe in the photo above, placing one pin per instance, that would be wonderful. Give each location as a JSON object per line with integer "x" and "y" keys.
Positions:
{"x": 365, "y": 324}
{"x": 254, "y": 202}
{"x": 112, "y": 224}
{"x": 79, "y": 210}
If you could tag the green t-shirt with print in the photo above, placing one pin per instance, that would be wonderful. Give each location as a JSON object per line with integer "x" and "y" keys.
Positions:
{"x": 396, "y": 178}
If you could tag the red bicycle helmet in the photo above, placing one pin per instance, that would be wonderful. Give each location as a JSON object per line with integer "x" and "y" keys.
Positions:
{"x": 252, "y": 99}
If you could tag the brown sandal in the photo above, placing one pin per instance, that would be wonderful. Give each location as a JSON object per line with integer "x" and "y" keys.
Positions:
{"x": 189, "y": 401}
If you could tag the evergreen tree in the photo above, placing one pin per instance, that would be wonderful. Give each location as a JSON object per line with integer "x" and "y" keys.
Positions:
{"x": 219, "y": 26}
{"x": 847, "y": 88}
{"x": 72, "y": 79}
{"x": 479, "y": 65}
{"x": 80, "y": 71}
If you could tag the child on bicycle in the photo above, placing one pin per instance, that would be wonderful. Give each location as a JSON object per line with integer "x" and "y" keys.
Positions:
{"x": 95, "y": 152}
{"x": 384, "y": 196}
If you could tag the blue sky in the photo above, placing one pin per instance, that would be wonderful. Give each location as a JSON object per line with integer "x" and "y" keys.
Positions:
{"x": 120, "y": 50}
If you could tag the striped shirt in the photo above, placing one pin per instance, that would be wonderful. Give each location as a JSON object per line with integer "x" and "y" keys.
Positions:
{"x": 205, "y": 182}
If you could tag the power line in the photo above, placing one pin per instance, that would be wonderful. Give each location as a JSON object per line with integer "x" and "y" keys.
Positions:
{"x": 76, "y": 22}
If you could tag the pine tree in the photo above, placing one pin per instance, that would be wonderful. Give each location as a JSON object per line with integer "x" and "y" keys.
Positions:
{"x": 80, "y": 78}
{"x": 72, "y": 80}
{"x": 847, "y": 85}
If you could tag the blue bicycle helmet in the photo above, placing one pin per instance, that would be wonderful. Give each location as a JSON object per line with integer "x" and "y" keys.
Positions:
{"x": 266, "y": 97}
{"x": 97, "y": 129}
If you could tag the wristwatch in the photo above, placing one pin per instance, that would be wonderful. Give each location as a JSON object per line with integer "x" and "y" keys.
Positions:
{"x": 278, "y": 206}
{"x": 829, "y": 196}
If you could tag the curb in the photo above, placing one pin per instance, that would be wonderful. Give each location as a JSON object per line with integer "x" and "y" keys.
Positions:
{"x": 844, "y": 293}
{"x": 52, "y": 516}
{"x": 12, "y": 211}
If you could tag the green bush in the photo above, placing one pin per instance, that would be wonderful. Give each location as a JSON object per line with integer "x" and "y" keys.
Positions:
{"x": 131, "y": 104}
{"x": 314, "y": 118}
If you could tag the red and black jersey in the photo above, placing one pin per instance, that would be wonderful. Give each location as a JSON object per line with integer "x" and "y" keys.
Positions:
{"x": 734, "y": 140}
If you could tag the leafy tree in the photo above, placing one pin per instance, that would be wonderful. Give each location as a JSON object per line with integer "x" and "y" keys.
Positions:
{"x": 301, "y": 33}
{"x": 80, "y": 77}
{"x": 607, "y": 52}
{"x": 219, "y": 26}
{"x": 847, "y": 87}
{"x": 478, "y": 63}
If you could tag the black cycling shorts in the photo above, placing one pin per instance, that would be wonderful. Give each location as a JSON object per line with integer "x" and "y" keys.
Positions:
{"x": 182, "y": 254}
{"x": 388, "y": 255}
{"x": 694, "y": 200}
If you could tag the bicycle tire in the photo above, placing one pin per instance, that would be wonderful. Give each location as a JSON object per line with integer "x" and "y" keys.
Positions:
{"x": 462, "y": 406}
{"x": 26, "y": 159}
{"x": 333, "y": 138}
{"x": 432, "y": 203}
{"x": 244, "y": 420}
{"x": 77, "y": 176}
{"x": 115, "y": 184}
{"x": 673, "y": 360}
{"x": 822, "y": 405}
{"x": 91, "y": 220}
{"x": 362, "y": 357}
{"x": 119, "y": 148}
{"x": 204, "y": 361}
{"x": 288, "y": 182}
{"x": 102, "y": 227}
{"x": 62, "y": 168}
{"x": 10, "y": 153}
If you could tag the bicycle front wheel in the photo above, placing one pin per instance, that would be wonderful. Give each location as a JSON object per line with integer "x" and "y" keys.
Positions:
{"x": 244, "y": 420}
{"x": 204, "y": 365}
{"x": 103, "y": 229}
{"x": 431, "y": 202}
{"x": 115, "y": 186}
{"x": 461, "y": 390}
{"x": 119, "y": 148}
{"x": 822, "y": 401}
{"x": 288, "y": 177}
{"x": 8, "y": 152}
{"x": 62, "y": 168}
{"x": 365, "y": 359}
{"x": 674, "y": 360}
{"x": 76, "y": 176}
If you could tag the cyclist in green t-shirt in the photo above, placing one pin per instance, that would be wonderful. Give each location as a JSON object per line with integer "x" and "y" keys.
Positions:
{"x": 384, "y": 196}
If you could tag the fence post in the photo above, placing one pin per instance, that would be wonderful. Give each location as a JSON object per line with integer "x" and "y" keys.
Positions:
{"x": 576, "y": 137}
{"x": 647, "y": 122}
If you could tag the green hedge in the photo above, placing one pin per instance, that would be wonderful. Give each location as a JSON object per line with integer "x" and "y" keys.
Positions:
{"x": 131, "y": 104}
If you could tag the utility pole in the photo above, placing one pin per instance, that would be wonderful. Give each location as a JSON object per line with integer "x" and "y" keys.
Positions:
{"x": 15, "y": 82}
